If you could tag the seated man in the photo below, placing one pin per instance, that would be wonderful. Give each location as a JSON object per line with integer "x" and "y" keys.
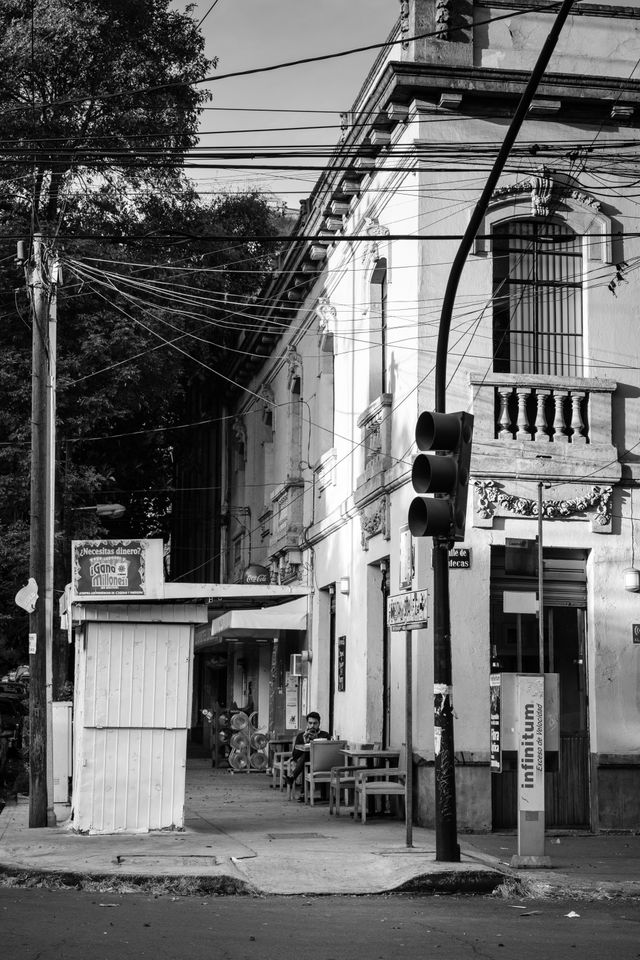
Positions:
{"x": 299, "y": 757}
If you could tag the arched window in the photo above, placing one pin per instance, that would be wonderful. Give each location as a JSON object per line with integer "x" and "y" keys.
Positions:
{"x": 537, "y": 290}
{"x": 378, "y": 330}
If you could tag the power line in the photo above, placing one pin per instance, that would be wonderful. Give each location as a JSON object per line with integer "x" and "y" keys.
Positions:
{"x": 253, "y": 71}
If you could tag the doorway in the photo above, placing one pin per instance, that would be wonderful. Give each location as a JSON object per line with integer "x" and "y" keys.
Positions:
{"x": 514, "y": 641}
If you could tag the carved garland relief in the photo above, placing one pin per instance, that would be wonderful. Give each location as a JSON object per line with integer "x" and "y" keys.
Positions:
{"x": 491, "y": 498}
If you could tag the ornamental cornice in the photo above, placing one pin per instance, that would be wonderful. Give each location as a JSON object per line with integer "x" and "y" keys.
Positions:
{"x": 492, "y": 499}
{"x": 543, "y": 187}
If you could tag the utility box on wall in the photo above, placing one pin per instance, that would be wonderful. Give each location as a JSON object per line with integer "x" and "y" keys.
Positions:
{"x": 62, "y": 751}
{"x": 132, "y": 713}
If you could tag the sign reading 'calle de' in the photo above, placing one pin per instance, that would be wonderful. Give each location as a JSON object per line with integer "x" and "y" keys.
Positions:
{"x": 407, "y": 611}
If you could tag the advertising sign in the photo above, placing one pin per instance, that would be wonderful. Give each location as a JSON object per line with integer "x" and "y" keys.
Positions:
{"x": 342, "y": 663}
{"x": 530, "y": 742}
{"x": 407, "y": 611}
{"x": 117, "y": 568}
{"x": 406, "y": 558}
{"x": 291, "y": 703}
{"x": 257, "y": 574}
{"x": 495, "y": 691}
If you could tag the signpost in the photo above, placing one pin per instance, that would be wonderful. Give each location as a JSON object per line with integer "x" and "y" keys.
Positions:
{"x": 408, "y": 611}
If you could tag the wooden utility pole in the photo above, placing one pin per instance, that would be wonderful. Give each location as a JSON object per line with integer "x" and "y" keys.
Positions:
{"x": 41, "y": 539}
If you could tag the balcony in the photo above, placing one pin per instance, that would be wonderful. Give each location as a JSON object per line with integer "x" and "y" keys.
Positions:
{"x": 375, "y": 427}
{"x": 543, "y": 427}
{"x": 287, "y": 517}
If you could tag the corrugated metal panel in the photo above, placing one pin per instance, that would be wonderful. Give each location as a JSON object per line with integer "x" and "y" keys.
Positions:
{"x": 137, "y": 675}
{"x": 130, "y": 781}
{"x": 564, "y": 583}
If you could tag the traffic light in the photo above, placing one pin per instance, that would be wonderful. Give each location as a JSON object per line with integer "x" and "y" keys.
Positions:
{"x": 443, "y": 472}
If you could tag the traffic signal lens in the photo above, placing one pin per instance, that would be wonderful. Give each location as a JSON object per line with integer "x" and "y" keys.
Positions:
{"x": 429, "y": 517}
{"x": 433, "y": 474}
{"x": 437, "y": 431}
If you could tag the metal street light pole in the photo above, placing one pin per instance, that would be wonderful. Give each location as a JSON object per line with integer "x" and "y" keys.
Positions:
{"x": 447, "y": 848}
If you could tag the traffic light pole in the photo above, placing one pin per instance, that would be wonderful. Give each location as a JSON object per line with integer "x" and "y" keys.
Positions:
{"x": 447, "y": 848}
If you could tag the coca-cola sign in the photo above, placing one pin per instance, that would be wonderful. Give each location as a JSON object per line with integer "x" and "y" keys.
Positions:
{"x": 256, "y": 575}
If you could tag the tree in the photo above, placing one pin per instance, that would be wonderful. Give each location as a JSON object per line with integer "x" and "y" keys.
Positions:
{"x": 98, "y": 105}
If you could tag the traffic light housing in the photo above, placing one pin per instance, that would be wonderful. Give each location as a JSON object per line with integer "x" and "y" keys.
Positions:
{"x": 443, "y": 472}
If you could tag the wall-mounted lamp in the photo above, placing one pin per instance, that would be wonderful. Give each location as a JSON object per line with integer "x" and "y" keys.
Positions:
{"x": 631, "y": 579}
{"x": 345, "y": 585}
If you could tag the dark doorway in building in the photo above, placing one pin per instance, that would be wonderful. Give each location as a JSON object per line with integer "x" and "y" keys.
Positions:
{"x": 514, "y": 640}
{"x": 333, "y": 657}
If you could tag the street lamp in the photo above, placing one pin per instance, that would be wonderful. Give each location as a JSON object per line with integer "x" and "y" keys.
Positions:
{"x": 107, "y": 511}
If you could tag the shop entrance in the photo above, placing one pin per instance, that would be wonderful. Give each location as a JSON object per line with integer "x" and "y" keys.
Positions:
{"x": 514, "y": 641}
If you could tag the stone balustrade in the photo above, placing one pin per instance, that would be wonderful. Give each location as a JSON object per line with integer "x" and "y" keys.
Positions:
{"x": 537, "y": 425}
{"x": 540, "y": 409}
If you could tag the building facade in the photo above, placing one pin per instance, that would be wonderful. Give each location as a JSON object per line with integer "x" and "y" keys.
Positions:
{"x": 543, "y": 351}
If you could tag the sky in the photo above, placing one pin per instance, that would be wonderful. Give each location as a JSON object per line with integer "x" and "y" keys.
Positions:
{"x": 251, "y": 33}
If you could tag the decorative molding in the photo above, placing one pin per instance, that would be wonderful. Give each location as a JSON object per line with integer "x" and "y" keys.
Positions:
{"x": 373, "y": 228}
{"x": 491, "y": 497}
{"x": 294, "y": 364}
{"x": 326, "y": 315}
{"x": 404, "y": 23}
{"x": 542, "y": 187}
{"x": 443, "y": 15}
{"x": 541, "y": 191}
{"x": 268, "y": 404}
{"x": 378, "y": 248}
{"x": 239, "y": 435}
{"x": 374, "y": 519}
{"x": 325, "y": 470}
{"x": 549, "y": 192}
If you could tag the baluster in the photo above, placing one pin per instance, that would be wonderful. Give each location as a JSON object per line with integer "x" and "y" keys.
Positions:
{"x": 542, "y": 429}
{"x": 577, "y": 423}
{"x": 524, "y": 430}
{"x": 504, "y": 420}
{"x": 559, "y": 426}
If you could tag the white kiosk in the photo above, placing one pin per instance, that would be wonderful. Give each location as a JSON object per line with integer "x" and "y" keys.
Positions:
{"x": 132, "y": 698}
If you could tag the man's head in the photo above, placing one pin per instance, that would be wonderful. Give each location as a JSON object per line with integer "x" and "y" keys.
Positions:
{"x": 313, "y": 720}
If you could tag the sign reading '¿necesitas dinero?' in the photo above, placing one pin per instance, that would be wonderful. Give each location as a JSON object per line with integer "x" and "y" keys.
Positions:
{"x": 109, "y": 566}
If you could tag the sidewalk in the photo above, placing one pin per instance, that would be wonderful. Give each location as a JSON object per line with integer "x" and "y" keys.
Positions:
{"x": 241, "y": 836}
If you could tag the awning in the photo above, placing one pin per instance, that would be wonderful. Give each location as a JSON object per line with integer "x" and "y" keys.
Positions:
{"x": 261, "y": 624}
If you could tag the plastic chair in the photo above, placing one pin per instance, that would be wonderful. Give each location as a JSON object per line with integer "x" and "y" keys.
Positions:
{"x": 323, "y": 756}
{"x": 380, "y": 782}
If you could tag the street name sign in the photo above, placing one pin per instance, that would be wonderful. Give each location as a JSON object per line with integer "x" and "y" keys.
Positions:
{"x": 407, "y": 611}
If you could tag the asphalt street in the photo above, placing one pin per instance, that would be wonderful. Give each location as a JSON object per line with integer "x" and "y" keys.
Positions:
{"x": 74, "y": 925}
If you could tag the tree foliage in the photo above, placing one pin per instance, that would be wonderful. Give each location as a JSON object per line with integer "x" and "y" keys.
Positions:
{"x": 98, "y": 108}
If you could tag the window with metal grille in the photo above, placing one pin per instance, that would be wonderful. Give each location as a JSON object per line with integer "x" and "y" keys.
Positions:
{"x": 537, "y": 289}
